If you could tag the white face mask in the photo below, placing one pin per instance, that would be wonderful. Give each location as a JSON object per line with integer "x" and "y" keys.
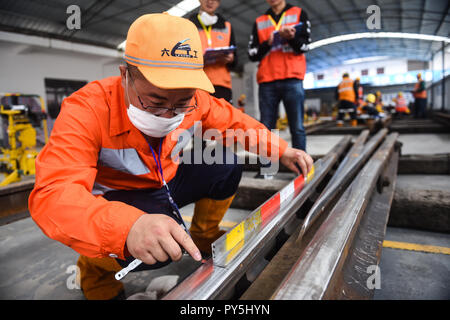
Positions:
{"x": 149, "y": 124}
{"x": 207, "y": 19}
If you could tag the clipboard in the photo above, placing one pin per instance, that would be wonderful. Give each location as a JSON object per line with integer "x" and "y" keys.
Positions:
{"x": 279, "y": 41}
{"x": 211, "y": 55}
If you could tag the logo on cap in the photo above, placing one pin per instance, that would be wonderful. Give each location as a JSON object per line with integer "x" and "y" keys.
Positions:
{"x": 180, "y": 46}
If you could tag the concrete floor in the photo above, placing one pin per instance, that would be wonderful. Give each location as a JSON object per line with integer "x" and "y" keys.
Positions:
{"x": 414, "y": 275}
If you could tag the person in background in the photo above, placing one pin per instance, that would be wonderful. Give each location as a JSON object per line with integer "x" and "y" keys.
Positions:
{"x": 360, "y": 93}
{"x": 369, "y": 107}
{"x": 379, "y": 101}
{"x": 282, "y": 65}
{"x": 216, "y": 32}
{"x": 401, "y": 106}
{"x": 420, "y": 95}
{"x": 346, "y": 94}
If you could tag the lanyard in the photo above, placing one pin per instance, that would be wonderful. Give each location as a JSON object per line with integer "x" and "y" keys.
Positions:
{"x": 176, "y": 211}
{"x": 207, "y": 30}
{"x": 277, "y": 25}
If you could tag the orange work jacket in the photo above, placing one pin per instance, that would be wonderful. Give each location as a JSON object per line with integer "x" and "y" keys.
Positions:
{"x": 419, "y": 95}
{"x": 346, "y": 90}
{"x": 95, "y": 148}
{"x": 281, "y": 62}
{"x": 218, "y": 73}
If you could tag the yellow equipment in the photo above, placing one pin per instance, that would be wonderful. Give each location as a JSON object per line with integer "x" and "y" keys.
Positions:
{"x": 371, "y": 98}
{"x": 18, "y": 151}
{"x": 282, "y": 123}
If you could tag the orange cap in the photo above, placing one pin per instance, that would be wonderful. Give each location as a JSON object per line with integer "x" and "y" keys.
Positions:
{"x": 167, "y": 50}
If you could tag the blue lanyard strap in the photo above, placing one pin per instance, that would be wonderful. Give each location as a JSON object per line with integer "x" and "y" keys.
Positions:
{"x": 159, "y": 165}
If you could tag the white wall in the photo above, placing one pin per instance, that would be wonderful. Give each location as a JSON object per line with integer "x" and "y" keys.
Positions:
{"x": 24, "y": 67}
{"x": 391, "y": 66}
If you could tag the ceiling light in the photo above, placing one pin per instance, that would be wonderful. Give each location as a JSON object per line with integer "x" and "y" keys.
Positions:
{"x": 183, "y": 7}
{"x": 365, "y": 35}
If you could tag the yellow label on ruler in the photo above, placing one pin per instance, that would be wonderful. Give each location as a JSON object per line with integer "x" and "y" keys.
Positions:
{"x": 310, "y": 174}
{"x": 235, "y": 236}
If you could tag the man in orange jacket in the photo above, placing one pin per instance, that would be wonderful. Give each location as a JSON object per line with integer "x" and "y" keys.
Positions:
{"x": 113, "y": 174}
{"x": 347, "y": 95}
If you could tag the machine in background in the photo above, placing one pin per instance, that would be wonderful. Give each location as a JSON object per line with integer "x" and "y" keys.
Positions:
{"x": 20, "y": 114}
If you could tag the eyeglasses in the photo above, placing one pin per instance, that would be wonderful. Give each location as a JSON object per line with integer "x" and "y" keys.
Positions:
{"x": 159, "y": 111}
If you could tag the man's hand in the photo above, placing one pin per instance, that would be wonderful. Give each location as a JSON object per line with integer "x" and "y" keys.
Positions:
{"x": 227, "y": 59}
{"x": 156, "y": 237}
{"x": 287, "y": 32}
{"x": 292, "y": 156}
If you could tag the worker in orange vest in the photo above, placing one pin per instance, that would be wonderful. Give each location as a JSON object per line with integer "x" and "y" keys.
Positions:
{"x": 216, "y": 32}
{"x": 346, "y": 94}
{"x": 113, "y": 174}
{"x": 420, "y": 95}
{"x": 401, "y": 106}
{"x": 278, "y": 41}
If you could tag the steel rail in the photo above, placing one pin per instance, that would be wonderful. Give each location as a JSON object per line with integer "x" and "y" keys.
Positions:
{"x": 311, "y": 276}
{"x": 214, "y": 279}
{"x": 346, "y": 171}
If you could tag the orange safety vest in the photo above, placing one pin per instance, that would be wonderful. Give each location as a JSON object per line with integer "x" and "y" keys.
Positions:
{"x": 346, "y": 90}
{"x": 215, "y": 38}
{"x": 94, "y": 148}
{"x": 419, "y": 95}
{"x": 400, "y": 105}
{"x": 281, "y": 62}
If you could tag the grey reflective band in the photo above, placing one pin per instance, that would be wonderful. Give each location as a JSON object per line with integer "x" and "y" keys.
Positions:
{"x": 264, "y": 24}
{"x": 292, "y": 18}
{"x": 100, "y": 189}
{"x": 170, "y": 64}
{"x": 125, "y": 160}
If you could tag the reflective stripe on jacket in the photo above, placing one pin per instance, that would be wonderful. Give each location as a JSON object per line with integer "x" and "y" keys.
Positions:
{"x": 401, "y": 105}
{"x": 94, "y": 148}
{"x": 346, "y": 90}
{"x": 281, "y": 62}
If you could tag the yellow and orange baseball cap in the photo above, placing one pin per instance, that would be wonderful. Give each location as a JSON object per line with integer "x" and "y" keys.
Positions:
{"x": 167, "y": 50}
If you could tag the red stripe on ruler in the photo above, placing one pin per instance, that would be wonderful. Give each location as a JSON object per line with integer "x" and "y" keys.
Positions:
{"x": 270, "y": 207}
{"x": 299, "y": 182}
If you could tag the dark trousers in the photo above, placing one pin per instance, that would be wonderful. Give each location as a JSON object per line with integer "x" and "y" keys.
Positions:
{"x": 344, "y": 107}
{"x": 291, "y": 92}
{"x": 191, "y": 183}
{"x": 420, "y": 107}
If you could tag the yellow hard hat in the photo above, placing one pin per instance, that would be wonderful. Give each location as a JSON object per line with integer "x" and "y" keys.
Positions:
{"x": 371, "y": 98}
{"x": 419, "y": 75}
{"x": 400, "y": 94}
